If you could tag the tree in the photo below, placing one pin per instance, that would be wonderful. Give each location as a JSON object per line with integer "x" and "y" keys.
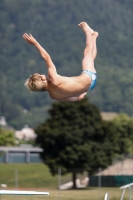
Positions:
{"x": 6, "y": 137}
{"x": 124, "y": 127}
{"x": 76, "y": 139}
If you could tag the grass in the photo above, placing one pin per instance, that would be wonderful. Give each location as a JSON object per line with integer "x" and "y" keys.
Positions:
{"x": 29, "y": 175}
{"x": 90, "y": 194}
{"x": 37, "y": 177}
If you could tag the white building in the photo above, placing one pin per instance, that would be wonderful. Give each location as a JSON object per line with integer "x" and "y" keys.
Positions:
{"x": 25, "y": 133}
{"x": 3, "y": 121}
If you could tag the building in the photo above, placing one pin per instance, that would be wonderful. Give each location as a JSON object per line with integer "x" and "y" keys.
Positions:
{"x": 22, "y": 154}
{"x": 120, "y": 167}
{"x": 3, "y": 121}
{"x": 118, "y": 174}
{"x": 25, "y": 133}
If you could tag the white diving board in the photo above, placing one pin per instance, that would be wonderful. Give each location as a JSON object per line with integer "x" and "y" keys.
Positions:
{"x": 21, "y": 192}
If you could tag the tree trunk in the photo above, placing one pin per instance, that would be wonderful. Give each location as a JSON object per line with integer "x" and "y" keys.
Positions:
{"x": 74, "y": 180}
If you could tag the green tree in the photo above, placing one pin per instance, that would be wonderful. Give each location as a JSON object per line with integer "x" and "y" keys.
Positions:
{"x": 124, "y": 127}
{"x": 6, "y": 137}
{"x": 76, "y": 139}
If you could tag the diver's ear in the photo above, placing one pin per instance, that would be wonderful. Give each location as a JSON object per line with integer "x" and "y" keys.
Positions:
{"x": 42, "y": 78}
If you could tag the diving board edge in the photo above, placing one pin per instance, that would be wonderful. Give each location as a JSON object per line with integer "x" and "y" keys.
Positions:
{"x": 21, "y": 192}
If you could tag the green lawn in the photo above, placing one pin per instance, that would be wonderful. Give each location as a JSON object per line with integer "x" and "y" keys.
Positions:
{"x": 90, "y": 194}
{"x": 37, "y": 177}
{"x": 29, "y": 175}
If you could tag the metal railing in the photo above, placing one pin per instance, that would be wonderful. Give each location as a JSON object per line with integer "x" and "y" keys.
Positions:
{"x": 124, "y": 187}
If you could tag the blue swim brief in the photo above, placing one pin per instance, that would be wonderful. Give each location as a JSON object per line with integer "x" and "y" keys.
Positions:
{"x": 93, "y": 78}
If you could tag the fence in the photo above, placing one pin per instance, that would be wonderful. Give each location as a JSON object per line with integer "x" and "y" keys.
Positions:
{"x": 110, "y": 181}
{"x": 38, "y": 175}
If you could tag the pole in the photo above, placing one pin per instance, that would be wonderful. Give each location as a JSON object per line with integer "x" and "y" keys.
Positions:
{"x": 59, "y": 182}
{"x": 16, "y": 179}
{"x": 99, "y": 184}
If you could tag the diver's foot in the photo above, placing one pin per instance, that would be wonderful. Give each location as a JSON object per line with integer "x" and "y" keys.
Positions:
{"x": 85, "y": 27}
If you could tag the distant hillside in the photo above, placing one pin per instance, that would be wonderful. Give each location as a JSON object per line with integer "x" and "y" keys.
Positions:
{"x": 54, "y": 24}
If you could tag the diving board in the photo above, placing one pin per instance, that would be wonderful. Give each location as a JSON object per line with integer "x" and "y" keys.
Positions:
{"x": 21, "y": 192}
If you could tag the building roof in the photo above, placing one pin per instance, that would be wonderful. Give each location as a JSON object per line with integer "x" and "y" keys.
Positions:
{"x": 23, "y": 148}
{"x": 123, "y": 167}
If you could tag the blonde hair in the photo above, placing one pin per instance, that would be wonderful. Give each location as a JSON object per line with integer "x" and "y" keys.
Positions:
{"x": 34, "y": 83}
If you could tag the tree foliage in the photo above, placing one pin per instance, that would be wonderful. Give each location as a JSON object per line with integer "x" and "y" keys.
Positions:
{"x": 124, "y": 127}
{"x": 6, "y": 137}
{"x": 74, "y": 138}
